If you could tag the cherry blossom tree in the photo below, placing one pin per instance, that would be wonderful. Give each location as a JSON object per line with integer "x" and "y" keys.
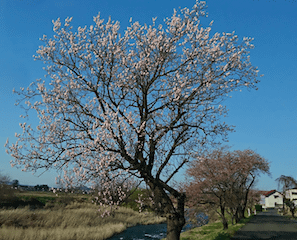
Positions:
{"x": 134, "y": 103}
{"x": 248, "y": 167}
{"x": 285, "y": 183}
{"x": 223, "y": 179}
{"x": 110, "y": 196}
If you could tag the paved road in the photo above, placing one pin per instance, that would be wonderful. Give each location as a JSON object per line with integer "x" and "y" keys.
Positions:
{"x": 268, "y": 225}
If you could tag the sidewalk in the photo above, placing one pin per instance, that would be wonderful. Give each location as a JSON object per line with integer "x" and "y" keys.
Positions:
{"x": 268, "y": 225}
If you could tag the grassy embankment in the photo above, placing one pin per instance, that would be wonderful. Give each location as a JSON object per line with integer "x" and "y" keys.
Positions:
{"x": 77, "y": 219}
{"x": 214, "y": 231}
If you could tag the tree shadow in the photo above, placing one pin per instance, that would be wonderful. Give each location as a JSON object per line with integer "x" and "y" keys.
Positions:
{"x": 222, "y": 236}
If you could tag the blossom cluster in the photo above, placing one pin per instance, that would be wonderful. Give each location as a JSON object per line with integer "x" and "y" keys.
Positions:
{"x": 132, "y": 105}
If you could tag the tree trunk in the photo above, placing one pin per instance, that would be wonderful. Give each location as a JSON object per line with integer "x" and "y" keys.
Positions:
{"x": 164, "y": 205}
{"x": 225, "y": 223}
{"x": 236, "y": 216}
{"x": 175, "y": 223}
{"x": 292, "y": 210}
{"x": 232, "y": 212}
{"x": 241, "y": 212}
{"x": 232, "y": 219}
{"x": 224, "y": 220}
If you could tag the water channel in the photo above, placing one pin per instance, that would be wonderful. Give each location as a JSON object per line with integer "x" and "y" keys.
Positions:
{"x": 155, "y": 231}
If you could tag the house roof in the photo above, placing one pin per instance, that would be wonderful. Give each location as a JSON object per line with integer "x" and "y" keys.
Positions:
{"x": 262, "y": 192}
{"x": 270, "y": 193}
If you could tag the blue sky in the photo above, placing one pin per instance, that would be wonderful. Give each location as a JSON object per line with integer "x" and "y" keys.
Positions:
{"x": 265, "y": 120}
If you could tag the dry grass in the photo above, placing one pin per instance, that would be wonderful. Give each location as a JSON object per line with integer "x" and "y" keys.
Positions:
{"x": 58, "y": 233}
{"x": 75, "y": 221}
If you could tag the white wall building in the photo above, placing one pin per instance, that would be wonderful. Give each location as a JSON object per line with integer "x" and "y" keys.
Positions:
{"x": 292, "y": 195}
{"x": 273, "y": 199}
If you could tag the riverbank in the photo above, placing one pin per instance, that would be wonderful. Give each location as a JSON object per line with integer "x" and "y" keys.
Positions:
{"x": 214, "y": 231}
{"x": 63, "y": 218}
{"x": 73, "y": 221}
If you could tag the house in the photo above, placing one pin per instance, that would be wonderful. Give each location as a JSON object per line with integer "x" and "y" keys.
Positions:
{"x": 274, "y": 199}
{"x": 292, "y": 195}
{"x": 271, "y": 199}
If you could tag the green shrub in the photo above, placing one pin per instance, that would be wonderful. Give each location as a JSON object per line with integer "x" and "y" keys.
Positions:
{"x": 258, "y": 208}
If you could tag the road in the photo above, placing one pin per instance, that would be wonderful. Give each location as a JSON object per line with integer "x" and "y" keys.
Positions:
{"x": 268, "y": 225}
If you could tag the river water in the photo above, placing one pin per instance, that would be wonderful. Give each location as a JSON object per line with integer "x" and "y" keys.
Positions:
{"x": 154, "y": 231}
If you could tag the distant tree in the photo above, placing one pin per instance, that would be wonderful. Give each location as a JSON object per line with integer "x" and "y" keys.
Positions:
{"x": 223, "y": 179}
{"x": 6, "y": 192}
{"x": 15, "y": 183}
{"x": 43, "y": 187}
{"x": 4, "y": 179}
{"x": 249, "y": 166}
{"x": 136, "y": 104}
{"x": 36, "y": 188}
{"x": 286, "y": 183}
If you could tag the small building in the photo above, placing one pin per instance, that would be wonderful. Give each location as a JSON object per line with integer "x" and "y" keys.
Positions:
{"x": 273, "y": 199}
{"x": 292, "y": 195}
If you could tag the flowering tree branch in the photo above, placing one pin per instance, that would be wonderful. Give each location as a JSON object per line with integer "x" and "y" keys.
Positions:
{"x": 133, "y": 104}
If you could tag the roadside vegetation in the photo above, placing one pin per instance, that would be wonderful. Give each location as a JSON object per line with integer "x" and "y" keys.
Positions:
{"x": 286, "y": 183}
{"x": 214, "y": 230}
{"x": 286, "y": 213}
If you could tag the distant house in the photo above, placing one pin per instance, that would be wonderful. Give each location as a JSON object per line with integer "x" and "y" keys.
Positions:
{"x": 271, "y": 199}
{"x": 292, "y": 195}
{"x": 274, "y": 199}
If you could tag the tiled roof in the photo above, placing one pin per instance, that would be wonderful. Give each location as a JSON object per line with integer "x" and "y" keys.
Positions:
{"x": 262, "y": 192}
{"x": 270, "y": 193}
